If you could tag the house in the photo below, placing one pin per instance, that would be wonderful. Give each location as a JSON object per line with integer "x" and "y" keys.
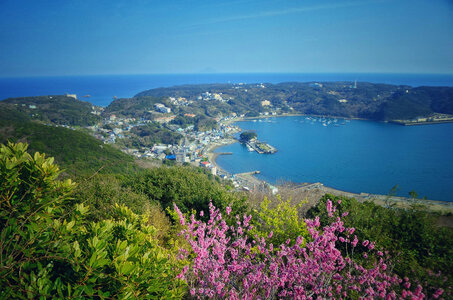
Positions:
{"x": 265, "y": 103}
{"x": 71, "y": 96}
{"x": 162, "y": 108}
{"x": 204, "y": 164}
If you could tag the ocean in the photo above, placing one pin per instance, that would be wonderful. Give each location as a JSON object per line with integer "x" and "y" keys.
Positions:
{"x": 361, "y": 156}
{"x": 103, "y": 88}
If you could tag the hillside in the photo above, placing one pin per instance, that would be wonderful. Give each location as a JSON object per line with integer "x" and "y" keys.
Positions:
{"x": 77, "y": 152}
{"x": 60, "y": 110}
{"x": 381, "y": 102}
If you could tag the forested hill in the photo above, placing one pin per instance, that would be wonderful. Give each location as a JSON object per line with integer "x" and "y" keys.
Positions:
{"x": 78, "y": 153}
{"x": 382, "y": 102}
{"x": 61, "y": 110}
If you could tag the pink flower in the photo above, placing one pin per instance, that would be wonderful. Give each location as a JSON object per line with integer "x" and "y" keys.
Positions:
{"x": 228, "y": 264}
{"x": 228, "y": 210}
{"x": 329, "y": 208}
{"x": 438, "y": 293}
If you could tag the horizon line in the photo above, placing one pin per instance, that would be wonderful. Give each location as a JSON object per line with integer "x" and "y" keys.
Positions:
{"x": 227, "y": 73}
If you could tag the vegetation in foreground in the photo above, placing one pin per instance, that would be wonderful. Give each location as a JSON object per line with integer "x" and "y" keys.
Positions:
{"x": 66, "y": 241}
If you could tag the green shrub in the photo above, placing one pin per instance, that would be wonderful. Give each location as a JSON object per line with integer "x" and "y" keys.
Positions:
{"x": 188, "y": 188}
{"x": 103, "y": 191}
{"x": 48, "y": 253}
{"x": 283, "y": 221}
{"x": 421, "y": 250}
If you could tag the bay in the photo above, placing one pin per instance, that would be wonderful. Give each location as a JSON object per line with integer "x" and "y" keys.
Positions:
{"x": 360, "y": 156}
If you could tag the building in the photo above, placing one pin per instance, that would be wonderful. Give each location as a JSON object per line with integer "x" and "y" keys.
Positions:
{"x": 213, "y": 169}
{"x": 181, "y": 156}
{"x": 162, "y": 108}
{"x": 71, "y": 96}
{"x": 265, "y": 103}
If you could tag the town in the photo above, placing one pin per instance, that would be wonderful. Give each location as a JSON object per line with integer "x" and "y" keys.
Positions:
{"x": 194, "y": 147}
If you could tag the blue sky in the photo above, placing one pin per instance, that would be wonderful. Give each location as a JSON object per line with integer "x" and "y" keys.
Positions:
{"x": 40, "y": 38}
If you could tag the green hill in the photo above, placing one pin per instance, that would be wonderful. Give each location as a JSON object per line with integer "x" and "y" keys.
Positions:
{"x": 60, "y": 110}
{"x": 77, "y": 152}
{"x": 380, "y": 102}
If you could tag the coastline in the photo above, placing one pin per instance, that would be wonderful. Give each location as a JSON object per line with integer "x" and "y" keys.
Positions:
{"x": 310, "y": 191}
{"x": 244, "y": 119}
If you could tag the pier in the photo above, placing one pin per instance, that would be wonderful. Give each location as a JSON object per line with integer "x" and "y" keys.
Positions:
{"x": 261, "y": 147}
{"x": 249, "y": 173}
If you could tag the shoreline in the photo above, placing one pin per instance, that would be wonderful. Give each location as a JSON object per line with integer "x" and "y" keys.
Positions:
{"x": 397, "y": 122}
{"x": 249, "y": 181}
{"x": 244, "y": 119}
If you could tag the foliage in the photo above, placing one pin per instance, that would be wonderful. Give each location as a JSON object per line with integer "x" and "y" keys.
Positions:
{"x": 283, "y": 221}
{"x": 226, "y": 264}
{"x": 422, "y": 250}
{"x": 58, "y": 109}
{"x": 188, "y": 187}
{"x": 183, "y": 121}
{"x": 46, "y": 254}
{"x": 102, "y": 192}
{"x": 79, "y": 153}
{"x": 204, "y": 123}
{"x": 133, "y": 107}
{"x": 150, "y": 134}
{"x": 246, "y": 136}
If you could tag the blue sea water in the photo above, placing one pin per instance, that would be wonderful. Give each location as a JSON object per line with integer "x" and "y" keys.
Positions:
{"x": 104, "y": 87}
{"x": 360, "y": 156}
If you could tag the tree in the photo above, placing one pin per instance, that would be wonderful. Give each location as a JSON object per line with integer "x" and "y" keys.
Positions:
{"x": 246, "y": 136}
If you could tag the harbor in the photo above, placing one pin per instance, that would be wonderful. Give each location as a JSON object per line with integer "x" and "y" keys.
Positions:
{"x": 261, "y": 147}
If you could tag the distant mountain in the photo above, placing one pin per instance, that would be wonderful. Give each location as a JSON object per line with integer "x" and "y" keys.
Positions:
{"x": 60, "y": 110}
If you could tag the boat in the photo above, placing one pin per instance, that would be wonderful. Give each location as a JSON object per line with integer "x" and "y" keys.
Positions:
{"x": 324, "y": 124}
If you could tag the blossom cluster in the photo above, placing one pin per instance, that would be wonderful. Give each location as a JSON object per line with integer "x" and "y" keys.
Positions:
{"x": 227, "y": 263}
